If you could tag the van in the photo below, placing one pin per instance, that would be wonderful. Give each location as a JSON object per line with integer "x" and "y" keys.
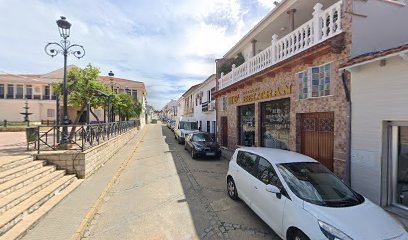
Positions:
{"x": 184, "y": 126}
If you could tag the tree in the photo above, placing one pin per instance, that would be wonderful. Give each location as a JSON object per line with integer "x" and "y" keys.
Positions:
{"x": 226, "y": 67}
{"x": 126, "y": 107}
{"x": 81, "y": 85}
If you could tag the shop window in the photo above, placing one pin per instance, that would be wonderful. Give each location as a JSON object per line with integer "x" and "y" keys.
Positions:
{"x": 314, "y": 82}
{"x": 275, "y": 122}
{"x": 399, "y": 165}
{"x": 247, "y": 125}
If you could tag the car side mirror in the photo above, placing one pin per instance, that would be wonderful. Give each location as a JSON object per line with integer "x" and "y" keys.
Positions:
{"x": 273, "y": 189}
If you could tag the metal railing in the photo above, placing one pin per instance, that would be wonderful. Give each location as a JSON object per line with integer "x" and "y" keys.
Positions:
{"x": 81, "y": 137}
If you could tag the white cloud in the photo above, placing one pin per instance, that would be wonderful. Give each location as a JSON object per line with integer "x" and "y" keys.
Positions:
{"x": 168, "y": 44}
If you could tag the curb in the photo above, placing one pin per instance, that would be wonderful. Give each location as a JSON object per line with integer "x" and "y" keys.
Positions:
{"x": 94, "y": 209}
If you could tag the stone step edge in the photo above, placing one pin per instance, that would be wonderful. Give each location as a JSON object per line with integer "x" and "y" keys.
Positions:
{"x": 29, "y": 206}
{"x": 21, "y": 228}
{"x": 20, "y": 170}
{"x": 15, "y": 163}
{"x": 29, "y": 190}
{"x": 41, "y": 172}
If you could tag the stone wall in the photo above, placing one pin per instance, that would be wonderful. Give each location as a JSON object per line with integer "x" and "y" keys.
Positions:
{"x": 335, "y": 102}
{"x": 84, "y": 164}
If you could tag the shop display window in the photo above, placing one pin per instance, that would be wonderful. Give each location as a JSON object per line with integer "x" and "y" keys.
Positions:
{"x": 247, "y": 125}
{"x": 275, "y": 122}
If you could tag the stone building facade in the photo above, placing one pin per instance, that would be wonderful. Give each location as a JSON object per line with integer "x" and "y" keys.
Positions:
{"x": 283, "y": 117}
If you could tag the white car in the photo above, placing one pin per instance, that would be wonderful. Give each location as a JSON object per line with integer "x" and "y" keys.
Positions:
{"x": 183, "y": 127}
{"x": 300, "y": 199}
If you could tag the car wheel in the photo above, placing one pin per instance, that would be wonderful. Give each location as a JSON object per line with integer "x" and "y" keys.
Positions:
{"x": 193, "y": 155}
{"x": 299, "y": 235}
{"x": 232, "y": 189}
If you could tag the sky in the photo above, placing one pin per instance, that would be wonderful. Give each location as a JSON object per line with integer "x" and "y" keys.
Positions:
{"x": 169, "y": 45}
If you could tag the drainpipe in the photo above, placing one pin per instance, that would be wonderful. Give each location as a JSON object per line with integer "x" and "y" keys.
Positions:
{"x": 347, "y": 177}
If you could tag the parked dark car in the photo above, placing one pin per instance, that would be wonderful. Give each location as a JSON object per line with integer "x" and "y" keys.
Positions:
{"x": 172, "y": 126}
{"x": 170, "y": 123}
{"x": 201, "y": 144}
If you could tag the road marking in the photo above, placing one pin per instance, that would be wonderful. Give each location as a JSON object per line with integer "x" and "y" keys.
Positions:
{"x": 93, "y": 210}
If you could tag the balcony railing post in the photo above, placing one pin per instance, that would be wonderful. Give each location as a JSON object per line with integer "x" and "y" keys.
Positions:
{"x": 222, "y": 80}
{"x": 317, "y": 24}
{"x": 233, "y": 73}
{"x": 273, "y": 52}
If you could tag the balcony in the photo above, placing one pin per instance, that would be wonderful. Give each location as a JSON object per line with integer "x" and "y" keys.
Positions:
{"x": 324, "y": 25}
{"x": 208, "y": 106}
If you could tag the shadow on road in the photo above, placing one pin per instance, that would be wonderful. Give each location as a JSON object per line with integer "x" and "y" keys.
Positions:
{"x": 214, "y": 214}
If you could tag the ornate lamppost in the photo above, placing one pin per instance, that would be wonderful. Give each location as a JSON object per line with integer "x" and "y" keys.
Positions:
{"x": 65, "y": 48}
{"x": 112, "y": 114}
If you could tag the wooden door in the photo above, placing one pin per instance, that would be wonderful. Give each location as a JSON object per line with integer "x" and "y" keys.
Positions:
{"x": 224, "y": 131}
{"x": 317, "y": 137}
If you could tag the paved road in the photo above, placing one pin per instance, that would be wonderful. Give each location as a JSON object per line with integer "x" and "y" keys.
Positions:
{"x": 164, "y": 194}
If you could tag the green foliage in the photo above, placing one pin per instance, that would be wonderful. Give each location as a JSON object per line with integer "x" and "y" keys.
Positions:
{"x": 227, "y": 66}
{"x": 126, "y": 107}
{"x": 82, "y": 84}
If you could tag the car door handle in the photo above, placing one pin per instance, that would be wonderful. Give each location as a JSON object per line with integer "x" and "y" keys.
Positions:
{"x": 255, "y": 187}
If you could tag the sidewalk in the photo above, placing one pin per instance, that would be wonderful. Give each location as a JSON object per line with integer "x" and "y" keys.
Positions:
{"x": 63, "y": 221}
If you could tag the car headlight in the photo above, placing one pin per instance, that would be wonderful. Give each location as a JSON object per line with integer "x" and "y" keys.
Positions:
{"x": 332, "y": 233}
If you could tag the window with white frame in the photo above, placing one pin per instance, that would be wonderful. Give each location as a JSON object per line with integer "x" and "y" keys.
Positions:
{"x": 224, "y": 103}
{"x": 397, "y": 143}
{"x": 314, "y": 82}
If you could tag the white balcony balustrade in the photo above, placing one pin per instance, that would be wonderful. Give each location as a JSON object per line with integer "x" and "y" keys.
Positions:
{"x": 324, "y": 25}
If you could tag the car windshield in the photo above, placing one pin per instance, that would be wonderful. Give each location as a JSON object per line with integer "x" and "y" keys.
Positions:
{"x": 202, "y": 137}
{"x": 188, "y": 125}
{"x": 314, "y": 183}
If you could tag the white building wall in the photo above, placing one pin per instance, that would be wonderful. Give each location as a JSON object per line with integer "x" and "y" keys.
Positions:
{"x": 378, "y": 94}
{"x": 199, "y": 115}
{"x": 180, "y": 107}
{"x": 384, "y": 26}
{"x": 10, "y": 109}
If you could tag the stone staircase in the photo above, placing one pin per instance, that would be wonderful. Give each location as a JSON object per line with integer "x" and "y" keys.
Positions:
{"x": 28, "y": 190}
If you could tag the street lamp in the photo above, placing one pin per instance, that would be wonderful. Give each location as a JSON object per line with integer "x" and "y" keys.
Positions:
{"x": 65, "y": 48}
{"x": 111, "y": 74}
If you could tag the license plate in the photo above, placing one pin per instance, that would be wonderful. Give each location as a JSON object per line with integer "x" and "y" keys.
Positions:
{"x": 210, "y": 154}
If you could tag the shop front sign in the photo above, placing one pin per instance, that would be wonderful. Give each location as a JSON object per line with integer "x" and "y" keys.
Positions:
{"x": 258, "y": 94}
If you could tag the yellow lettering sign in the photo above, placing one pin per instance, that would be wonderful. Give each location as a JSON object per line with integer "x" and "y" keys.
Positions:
{"x": 255, "y": 94}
